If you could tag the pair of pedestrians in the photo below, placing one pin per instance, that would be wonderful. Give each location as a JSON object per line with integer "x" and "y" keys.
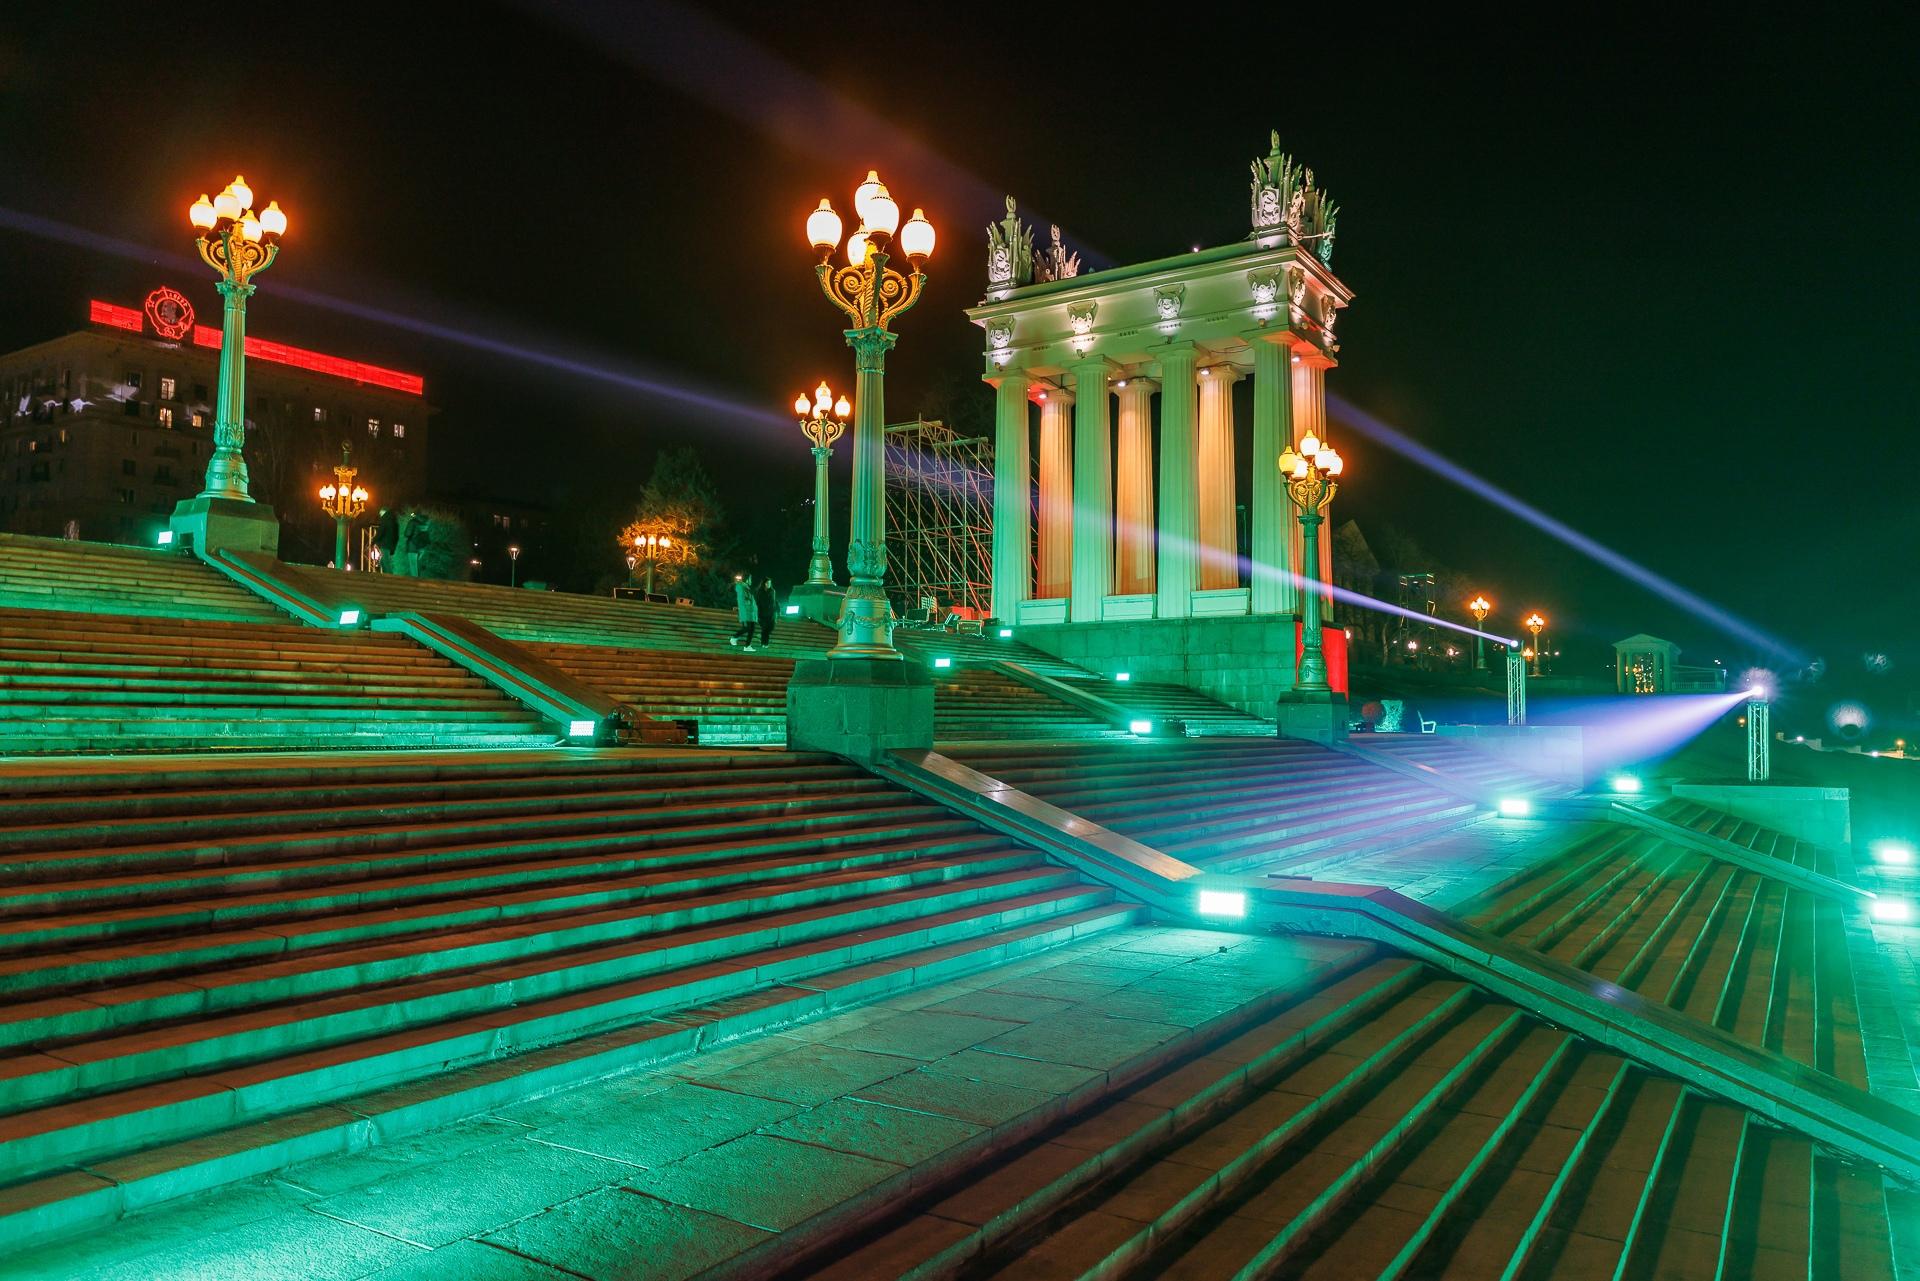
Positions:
{"x": 754, "y": 603}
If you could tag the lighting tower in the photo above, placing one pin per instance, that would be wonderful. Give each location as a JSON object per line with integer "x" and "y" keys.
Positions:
{"x": 1759, "y": 735}
{"x": 342, "y": 500}
{"x": 1480, "y": 606}
{"x": 1533, "y": 622}
{"x": 821, "y": 420}
{"x": 871, "y": 293}
{"x": 1309, "y": 476}
{"x": 1516, "y": 686}
{"x": 238, "y": 244}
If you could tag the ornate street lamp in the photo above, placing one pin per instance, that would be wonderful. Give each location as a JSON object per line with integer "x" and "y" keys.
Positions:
{"x": 821, "y": 421}
{"x": 342, "y": 500}
{"x": 871, "y": 294}
{"x": 1534, "y": 622}
{"x": 1479, "y": 606}
{"x": 1309, "y": 475}
{"x": 238, "y": 244}
{"x": 650, "y": 548}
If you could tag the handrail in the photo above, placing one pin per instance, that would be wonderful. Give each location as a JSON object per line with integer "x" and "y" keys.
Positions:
{"x": 260, "y": 574}
{"x": 1769, "y": 1083}
{"x": 1062, "y": 691}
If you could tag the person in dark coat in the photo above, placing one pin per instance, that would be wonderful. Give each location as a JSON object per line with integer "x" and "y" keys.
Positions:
{"x": 768, "y": 606}
{"x": 748, "y": 610}
{"x": 386, "y": 538}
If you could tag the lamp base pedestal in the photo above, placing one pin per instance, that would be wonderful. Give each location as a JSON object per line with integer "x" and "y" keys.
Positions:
{"x": 1318, "y": 716}
{"x": 818, "y": 602}
{"x": 209, "y": 524}
{"x": 859, "y": 708}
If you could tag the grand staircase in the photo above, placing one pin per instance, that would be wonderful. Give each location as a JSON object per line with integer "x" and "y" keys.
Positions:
{"x": 974, "y": 704}
{"x": 733, "y": 699}
{"x": 1451, "y": 757}
{"x": 56, "y": 574}
{"x": 1281, "y": 807}
{"x": 211, "y": 972}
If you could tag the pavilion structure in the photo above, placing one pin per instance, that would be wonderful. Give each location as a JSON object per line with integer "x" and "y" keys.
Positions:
{"x": 1099, "y": 550}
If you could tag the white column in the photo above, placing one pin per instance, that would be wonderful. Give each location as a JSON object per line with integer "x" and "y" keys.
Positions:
{"x": 1056, "y": 494}
{"x": 1219, "y": 548}
{"x": 1133, "y": 489}
{"x": 1179, "y": 523}
{"x": 1012, "y": 498}
{"x": 1092, "y": 491}
{"x": 1273, "y": 515}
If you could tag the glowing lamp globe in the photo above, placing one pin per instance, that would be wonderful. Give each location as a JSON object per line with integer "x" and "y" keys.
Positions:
{"x": 823, "y": 228}
{"x": 241, "y": 191}
{"x": 916, "y": 238}
{"x": 857, "y": 248}
{"x": 864, "y": 193}
{"x": 883, "y": 215}
{"x": 273, "y": 219}
{"x": 1335, "y": 464}
{"x": 327, "y": 492}
{"x": 822, "y": 398}
{"x": 226, "y": 205}
{"x": 201, "y": 213}
{"x": 1290, "y": 462}
{"x": 800, "y": 405}
{"x": 665, "y": 541}
{"x": 359, "y": 493}
{"x": 1310, "y": 444}
{"x": 842, "y": 407}
{"x": 249, "y": 226}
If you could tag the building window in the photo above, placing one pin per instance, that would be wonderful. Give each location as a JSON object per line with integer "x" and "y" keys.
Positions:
{"x": 166, "y": 388}
{"x": 319, "y": 414}
{"x": 165, "y": 415}
{"x": 63, "y": 435}
{"x": 163, "y": 473}
{"x": 399, "y": 430}
{"x": 199, "y": 391}
{"x": 127, "y": 468}
{"x": 199, "y": 419}
{"x": 133, "y": 378}
{"x": 133, "y": 409}
{"x": 126, "y": 496}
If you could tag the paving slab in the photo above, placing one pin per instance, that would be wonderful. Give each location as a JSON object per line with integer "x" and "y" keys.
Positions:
{"x": 810, "y": 1074}
{"x": 764, "y": 1182}
{"x": 875, "y": 1130}
{"x": 617, "y": 1234}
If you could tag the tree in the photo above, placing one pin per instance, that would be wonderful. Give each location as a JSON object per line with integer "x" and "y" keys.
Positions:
{"x": 680, "y": 495}
{"x": 449, "y": 549}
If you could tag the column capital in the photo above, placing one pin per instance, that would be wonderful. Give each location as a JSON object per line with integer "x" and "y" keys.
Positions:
{"x": 1138, "y": 383}
{"x": 1051, "y": 394}
{"x": 1009, "y": 377}
{"x": 1221, "y": 371}
{"x": 1088, "y": 366}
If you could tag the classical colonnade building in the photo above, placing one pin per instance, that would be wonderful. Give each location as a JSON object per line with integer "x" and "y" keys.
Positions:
{"x": 1092, "y": 521}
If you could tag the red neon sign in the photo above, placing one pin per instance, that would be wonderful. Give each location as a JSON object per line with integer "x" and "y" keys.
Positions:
{"x": 128, "y": 318}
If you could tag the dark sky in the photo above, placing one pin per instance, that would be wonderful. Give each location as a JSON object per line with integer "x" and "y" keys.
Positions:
{"x": 1653, "y": 274}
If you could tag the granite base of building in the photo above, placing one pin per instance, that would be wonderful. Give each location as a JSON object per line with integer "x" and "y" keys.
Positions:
{"x": 1318, "y": 716}
{"x": 212, "y": 524}
{"x": 1818, "y": 815}
{"x": 1245, "y": 662}
{"x": 859, "y": 708}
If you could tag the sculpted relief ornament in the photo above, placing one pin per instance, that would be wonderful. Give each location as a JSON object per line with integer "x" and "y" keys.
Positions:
{"x": 1285, "y": 201}
{"x": 1056, "y": 263}
{"x": 1167, "y": 301}
{"x": 1009, "y": 253}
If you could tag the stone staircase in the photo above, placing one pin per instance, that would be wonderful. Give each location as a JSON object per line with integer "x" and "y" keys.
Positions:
{"x": 1454, "y": 759}
{"x": 208, "y": 973}
{"x": 1281, "y": 807}
{"x": 561, "y": 617}
{"x": 734, "y": 699}
{"x": 1389, "y": 1123}
{"x": 83, "y": 682}
{"x": 976, "y": 704}
{"x": 102, "y": 578}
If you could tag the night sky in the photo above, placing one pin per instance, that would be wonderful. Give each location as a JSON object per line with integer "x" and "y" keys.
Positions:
{"x": 1656, "y": 279}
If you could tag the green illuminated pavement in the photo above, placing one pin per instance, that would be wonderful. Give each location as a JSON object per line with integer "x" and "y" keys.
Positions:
{"x": 664, "y": 1172}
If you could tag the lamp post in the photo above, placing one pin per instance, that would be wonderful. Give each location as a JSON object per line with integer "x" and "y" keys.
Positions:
{"x": 1310, "y": 482}
{"x": 821, "y": 421}
{"x": 871, "y": 293}
{"x": 1480, "y": 606}
{"x": 513, "y": 565}
{"x": 342, "y": 500}
{"x": 650, "y": 547}
{"x": 238, "y": 244}
{"x": 1534, "y": 622}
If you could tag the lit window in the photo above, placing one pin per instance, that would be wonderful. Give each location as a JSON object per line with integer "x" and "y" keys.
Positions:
{"x": 165, "y": 414}
{"x": 373, "y": 426}
{"x": 199, "y": 419}
{"x": 319, "y": 414}
{"x": 399, "y": 430}
{"x": 166, "y": 389}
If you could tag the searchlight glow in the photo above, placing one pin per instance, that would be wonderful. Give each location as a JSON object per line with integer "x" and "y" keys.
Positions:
{"x": 1625, "y": 784}
{"x": 581, "y": 729}
{"x": 1892, "y": 853}
{"x": 1231, "y": 903}
{"x": 349, "y": 617}
{"x": 792, "y": 610}
{"x": 1515, "y": 807}
{"x": 1892, "y": 911}
{"x": 1006, "y": 633}
{"x": 943, "y": 662}
{"x": 1123, "y": 676}
{"x": 166, "y": 538}
{"x": 1140, "y": 727}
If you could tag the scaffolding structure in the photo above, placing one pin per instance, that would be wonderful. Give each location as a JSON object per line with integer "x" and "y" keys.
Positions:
{"x": 939, "y": 519}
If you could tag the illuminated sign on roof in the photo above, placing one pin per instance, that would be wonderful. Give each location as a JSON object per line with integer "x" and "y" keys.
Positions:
{"x": 170, "y": 316}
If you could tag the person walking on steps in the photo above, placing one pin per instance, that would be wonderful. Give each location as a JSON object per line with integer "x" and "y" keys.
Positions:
{"x": 766, "y": 603}
{"x": 748, "y": 610}
{"x": 386, "y": 539}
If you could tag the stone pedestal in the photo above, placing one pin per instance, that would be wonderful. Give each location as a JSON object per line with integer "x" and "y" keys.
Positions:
{"x": 1318, "y": 716}
{"x": 859, "y": 708}
{"x": 818, "y": 602}
{"x": 210, "y": 524}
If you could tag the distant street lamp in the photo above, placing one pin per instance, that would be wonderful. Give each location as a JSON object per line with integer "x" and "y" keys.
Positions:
{"x": 238, "y": 244}
{"x": 342, "y": 500}
{"x": 1309, "y": 475}
{"x": 1534, "y": 622}
{"x": 1480, "y": 606}
{"x": 871, "y": 294}
{"x": 821, "y": 420}
{"x": 513, "y": 565}
{"x": 651, "y": 547}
